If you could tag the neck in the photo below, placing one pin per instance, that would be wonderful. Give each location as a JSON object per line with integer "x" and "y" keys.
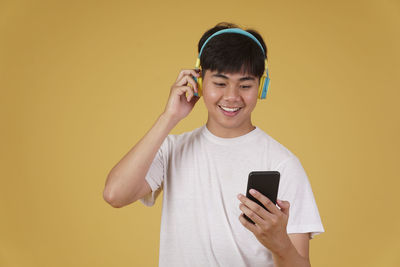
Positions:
{"x": 229, "y": 132}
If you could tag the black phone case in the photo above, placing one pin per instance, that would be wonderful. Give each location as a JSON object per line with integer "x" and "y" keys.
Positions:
{"x": 265, "y": 182}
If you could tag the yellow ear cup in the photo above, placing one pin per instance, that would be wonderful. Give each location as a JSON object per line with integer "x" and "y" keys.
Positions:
{"x": 200, "y": 86}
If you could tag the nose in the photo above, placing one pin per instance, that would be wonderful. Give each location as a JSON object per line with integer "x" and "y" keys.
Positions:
{"x": 231, "y": 93}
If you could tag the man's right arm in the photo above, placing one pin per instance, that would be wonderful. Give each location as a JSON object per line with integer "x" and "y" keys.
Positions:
{"x": 126, "y": 182}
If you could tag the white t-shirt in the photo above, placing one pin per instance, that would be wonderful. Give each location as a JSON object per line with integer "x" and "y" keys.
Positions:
{"x": 201, "y": 175}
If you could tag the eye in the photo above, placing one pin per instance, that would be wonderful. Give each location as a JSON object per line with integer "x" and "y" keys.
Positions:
{"x": 219, "y": 84}
{"x": 245, "y": 86}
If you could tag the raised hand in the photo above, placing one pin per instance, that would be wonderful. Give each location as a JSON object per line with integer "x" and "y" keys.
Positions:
{"x": 182, "y": 99}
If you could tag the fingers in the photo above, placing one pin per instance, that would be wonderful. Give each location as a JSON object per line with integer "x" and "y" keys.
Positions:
{"x": 252, "y": 209}
{"x": 187, "y": 72}
{"x": 284, "y": 205}
{"x": 189, "y": 81}
{"x": 256, "y": 208}
{"x": 189, "y": 94}
{"x": 251, "y": 214}
{"x": 194, "y": 72}
{"x": 247, "y": 224}
{"x": 182, "y": 90}
{"x": 185, "y": 83}
{"x": 272, "y": 208}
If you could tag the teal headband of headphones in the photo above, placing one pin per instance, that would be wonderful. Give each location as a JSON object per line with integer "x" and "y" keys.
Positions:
{"x": 232, "y": 30}
{"x": 264, "y": 80}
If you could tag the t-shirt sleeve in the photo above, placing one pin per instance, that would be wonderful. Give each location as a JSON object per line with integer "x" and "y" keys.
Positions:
{"x": 295, "y": 187}
{"x": 155, "y": 175}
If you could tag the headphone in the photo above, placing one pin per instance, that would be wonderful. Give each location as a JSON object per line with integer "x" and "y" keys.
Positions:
{"x": 264, "y": 80}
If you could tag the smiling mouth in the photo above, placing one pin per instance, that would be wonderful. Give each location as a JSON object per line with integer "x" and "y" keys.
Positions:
{"x": 229, "y": 111}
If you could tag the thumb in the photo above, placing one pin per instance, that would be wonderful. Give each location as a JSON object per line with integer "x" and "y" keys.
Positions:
{"x": 284, "y": 205}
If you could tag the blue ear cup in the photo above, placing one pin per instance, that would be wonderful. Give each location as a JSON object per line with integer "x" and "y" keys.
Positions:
{"x": 265, "y": 89}
{"x": 264, "y": 80}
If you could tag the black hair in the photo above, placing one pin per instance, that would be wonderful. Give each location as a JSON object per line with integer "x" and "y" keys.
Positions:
{"x": 232, "y": 52}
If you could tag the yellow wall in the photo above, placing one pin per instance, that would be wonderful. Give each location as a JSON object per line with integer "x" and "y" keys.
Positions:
{"x": 82, "y": 81}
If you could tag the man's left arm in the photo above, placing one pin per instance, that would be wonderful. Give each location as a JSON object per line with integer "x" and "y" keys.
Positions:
{"x": 299, "y": 256}
{"x": 270, "y": 230}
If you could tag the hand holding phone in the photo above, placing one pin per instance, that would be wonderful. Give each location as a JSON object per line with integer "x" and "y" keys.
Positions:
{"x": 265, "y": 182}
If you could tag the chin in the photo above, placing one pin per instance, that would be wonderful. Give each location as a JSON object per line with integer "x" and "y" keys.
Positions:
{"x": 230, "y": 123}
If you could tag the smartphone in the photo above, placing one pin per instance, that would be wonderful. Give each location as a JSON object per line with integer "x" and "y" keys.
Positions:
{"x": 265, "y": 182}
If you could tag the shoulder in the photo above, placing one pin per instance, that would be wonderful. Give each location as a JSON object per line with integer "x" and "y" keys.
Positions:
{"x": 276, "y": 151}
{"x": 186, "y": 136}
{"x": 175, "y": 141}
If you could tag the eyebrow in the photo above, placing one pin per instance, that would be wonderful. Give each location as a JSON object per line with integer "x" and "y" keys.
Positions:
{"x": 246, "y": 78}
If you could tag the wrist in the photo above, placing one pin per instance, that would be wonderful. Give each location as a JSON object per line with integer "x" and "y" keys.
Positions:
{"x": 169, "y": 120}
{"x": 286, "y": 249}
{"x": 287, "y": 255}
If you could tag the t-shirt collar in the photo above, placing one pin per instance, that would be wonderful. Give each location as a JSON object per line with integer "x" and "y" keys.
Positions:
{"x": 229, "y": 141}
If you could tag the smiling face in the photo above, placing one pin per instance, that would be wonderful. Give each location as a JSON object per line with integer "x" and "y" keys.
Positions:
{"x": 230, "y": 99}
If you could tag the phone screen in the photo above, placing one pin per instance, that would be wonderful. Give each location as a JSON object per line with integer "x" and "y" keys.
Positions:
{"x": 265, "y": 182}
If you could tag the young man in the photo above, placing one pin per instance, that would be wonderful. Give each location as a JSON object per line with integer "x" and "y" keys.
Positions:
{"x": 203, "y": 172}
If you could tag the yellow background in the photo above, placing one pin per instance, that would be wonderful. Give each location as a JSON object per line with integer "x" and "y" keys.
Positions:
{"x": 82, "y": 81}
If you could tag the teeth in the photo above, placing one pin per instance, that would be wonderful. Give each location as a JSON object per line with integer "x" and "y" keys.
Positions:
{"x": 230, "y": 109}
